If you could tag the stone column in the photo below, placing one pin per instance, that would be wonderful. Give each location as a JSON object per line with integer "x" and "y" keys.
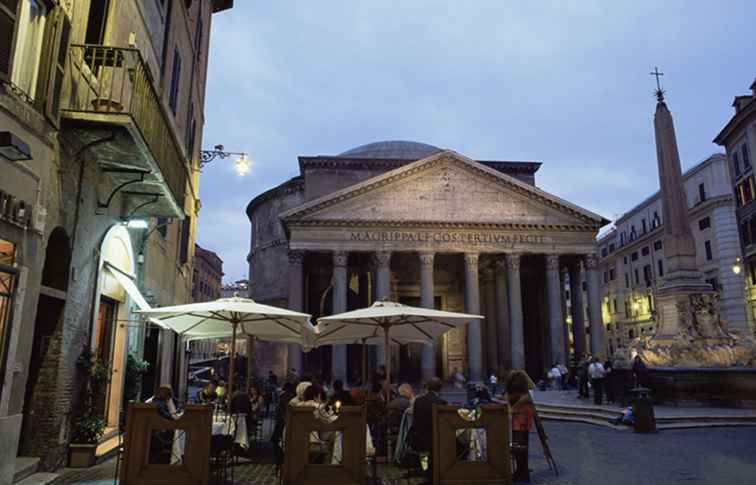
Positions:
{"x": 472, "y": 305}
{"x": 382, "y": 263}
{"x": 489, "y": 324}
{"x": 578, "y": 312}
{"x": 517, "y": 328}
{"x": 427, "y": 300}
{"x": 556, "y": 318}
{"x": 340, "y": 291}
{"x": 565, "y": 327}
{"x": 296, "y": 303}
{"x": 502, "y": 313}
{"x": 594, "y": 306}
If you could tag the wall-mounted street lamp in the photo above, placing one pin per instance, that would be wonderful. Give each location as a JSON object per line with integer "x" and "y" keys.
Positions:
{"x": 13, "y": 148}
{"x": 737, "y": 267}
{"x": 241, "y": 165}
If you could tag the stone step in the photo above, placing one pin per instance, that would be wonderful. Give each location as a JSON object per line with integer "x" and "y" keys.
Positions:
{"x": 25, "y": 466}
{"x": 577, "y": 410}
{"x": 583, "y": 419}
{"x": 39, "y": 479}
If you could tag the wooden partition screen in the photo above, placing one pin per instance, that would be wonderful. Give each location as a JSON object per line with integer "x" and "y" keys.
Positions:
{"x": 297, "y": 469}
{"x": 494, "y": 467}
{"x": 160, "y": 451}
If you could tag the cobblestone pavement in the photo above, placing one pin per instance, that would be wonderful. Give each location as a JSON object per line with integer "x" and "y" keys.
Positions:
{"x": 585, "y": 454}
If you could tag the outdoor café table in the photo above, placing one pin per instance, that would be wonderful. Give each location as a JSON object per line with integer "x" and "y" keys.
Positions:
{"x": 235, "y": 426}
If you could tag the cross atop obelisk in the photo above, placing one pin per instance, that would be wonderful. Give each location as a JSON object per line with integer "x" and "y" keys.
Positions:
{"x": 659, "y": 91}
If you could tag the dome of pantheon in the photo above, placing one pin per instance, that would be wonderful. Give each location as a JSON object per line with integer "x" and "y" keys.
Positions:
{"x": 392, "y": 149}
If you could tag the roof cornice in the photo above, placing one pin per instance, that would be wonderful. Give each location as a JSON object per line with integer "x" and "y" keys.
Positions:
{"x": 363, "y": 223}
{"x": 738, "y": 119}
{"x": 295, "y": 184}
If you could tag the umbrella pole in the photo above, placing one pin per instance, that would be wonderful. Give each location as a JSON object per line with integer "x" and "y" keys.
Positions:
{"x": 387, "y": 353}
{"x": 231, "y": 368}
{"x": 364, "y": 364}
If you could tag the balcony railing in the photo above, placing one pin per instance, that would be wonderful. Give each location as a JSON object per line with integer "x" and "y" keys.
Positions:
{"x": 110, "y": 83}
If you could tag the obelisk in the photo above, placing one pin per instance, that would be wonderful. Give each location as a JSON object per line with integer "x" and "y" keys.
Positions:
{"x": 682, "y": 286}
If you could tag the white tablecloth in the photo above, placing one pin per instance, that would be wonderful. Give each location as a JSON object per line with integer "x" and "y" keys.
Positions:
{"x": 235, "y": 426}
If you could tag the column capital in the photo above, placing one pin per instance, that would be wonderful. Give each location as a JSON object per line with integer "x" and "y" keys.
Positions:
{"x": 382, "y": 258}
{"x": 513, "y": 261}
{"x": 426, "y": 258}
{"x": 296, "y": 257}
{"x": 552, "y": 262}
{"x": 471, "y": 259}
{"x": 340, "y": 258}
{"x": 590, "y": 261}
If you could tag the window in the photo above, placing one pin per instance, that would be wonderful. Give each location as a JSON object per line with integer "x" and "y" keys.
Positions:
{"x": 643, "y": 223}
{"x": 611, "y": 274}
{"x": 736, "y": 163}
{"x": 633, "y": 234}
{"x": 614, "y": 305}
{"x": 191, "y": 126}
{"x": 657, "y": 245}
{"x": 745, "y": 155}
{"x": 634, "y": 256}
{"x": 631, "y": 334}
{"x": 604, "y": 252}
{"x": 622, "y": 238}
{"x": 660, "y": 267}
{"x": 655, "y": 222}
{"x": 32, "y": 17}
{"x": 624, "y": 260}
{"x": 98, "y": 19}
{"x": 714, "y": 282}
{"x": 175, "y": 81}
{"x": 637, "y": 278}
{"x": 704, "y": 223}
{"x": 606, "y": 277}
{"x": 627, "y": 280}
{"x": 707, "y": 246}
{"x": 701, "y": 193}
{"x": 645, "y": 251}
{"x": 611, "y": 247}
{"x": 647, "y": 275}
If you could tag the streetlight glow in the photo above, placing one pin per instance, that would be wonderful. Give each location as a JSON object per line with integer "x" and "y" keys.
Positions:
{"x": 242, "y": 165}
{"x": 736, "y": 268}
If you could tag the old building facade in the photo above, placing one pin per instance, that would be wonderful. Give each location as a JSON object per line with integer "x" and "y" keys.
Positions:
{"x": 427, "y": 227}
{"x": 738, "y": 137}
{"x": 632, "y": 262}
{"x": 101, "y": 104}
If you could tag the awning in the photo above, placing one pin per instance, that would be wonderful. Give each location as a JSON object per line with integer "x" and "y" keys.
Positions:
{"x": 127, "y": 281}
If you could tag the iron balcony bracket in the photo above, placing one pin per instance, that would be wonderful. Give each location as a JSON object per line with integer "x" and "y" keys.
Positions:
{"x": 136, "y": 171}
{"x": 153, "y": 198}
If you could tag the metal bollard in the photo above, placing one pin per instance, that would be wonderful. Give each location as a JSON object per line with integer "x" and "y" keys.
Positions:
{"x": 643, "y": 410}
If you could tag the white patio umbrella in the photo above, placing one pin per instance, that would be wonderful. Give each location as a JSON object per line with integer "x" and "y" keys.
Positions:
{"x": 394, "y": 322}
{"x": 216, "y": 318}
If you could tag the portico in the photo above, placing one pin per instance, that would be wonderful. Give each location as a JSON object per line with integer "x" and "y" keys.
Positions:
{"x": 447, "y": 232}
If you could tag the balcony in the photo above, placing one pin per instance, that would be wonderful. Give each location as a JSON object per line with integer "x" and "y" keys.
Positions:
{"x": 111, "y": 106}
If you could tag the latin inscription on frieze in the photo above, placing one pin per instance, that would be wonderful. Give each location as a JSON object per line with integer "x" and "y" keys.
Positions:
{"x": 448, "y": 237}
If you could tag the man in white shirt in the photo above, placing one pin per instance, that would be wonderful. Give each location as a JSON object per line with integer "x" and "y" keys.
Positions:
{"x": 596, "y": 372}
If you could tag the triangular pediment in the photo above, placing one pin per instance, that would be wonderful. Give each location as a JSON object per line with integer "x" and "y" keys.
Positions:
{"x": 444, "y": 188}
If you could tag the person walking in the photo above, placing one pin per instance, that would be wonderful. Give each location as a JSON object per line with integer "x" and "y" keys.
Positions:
{"x": 492, "y": 383}
{"x": 610, "y": 381}
{"x": 582, "y": 375}
{"x": 564, "y": 373}
{"x": 596, "y": 372}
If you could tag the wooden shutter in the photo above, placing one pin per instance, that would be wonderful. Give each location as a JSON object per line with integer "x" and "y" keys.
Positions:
{"x": 8, "y": 12}
{"x": 184, "y": 243}
{"x": 58, "y": 69}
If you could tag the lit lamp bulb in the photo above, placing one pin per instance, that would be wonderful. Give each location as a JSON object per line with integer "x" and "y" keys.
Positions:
{"x": 736, "y": 268}
{"x": 242, "y": 165}
{"x": 337, "y": 404}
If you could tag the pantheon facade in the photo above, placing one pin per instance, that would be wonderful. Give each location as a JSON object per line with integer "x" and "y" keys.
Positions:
{"x": 421, "y": 225}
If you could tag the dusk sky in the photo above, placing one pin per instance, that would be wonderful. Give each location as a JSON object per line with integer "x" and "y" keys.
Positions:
{"x": 565, "y": 83}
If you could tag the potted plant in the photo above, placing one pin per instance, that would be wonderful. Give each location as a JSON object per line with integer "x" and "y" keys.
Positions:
{"x": 89, "y": 425}
{"x": 136, "y": 368}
